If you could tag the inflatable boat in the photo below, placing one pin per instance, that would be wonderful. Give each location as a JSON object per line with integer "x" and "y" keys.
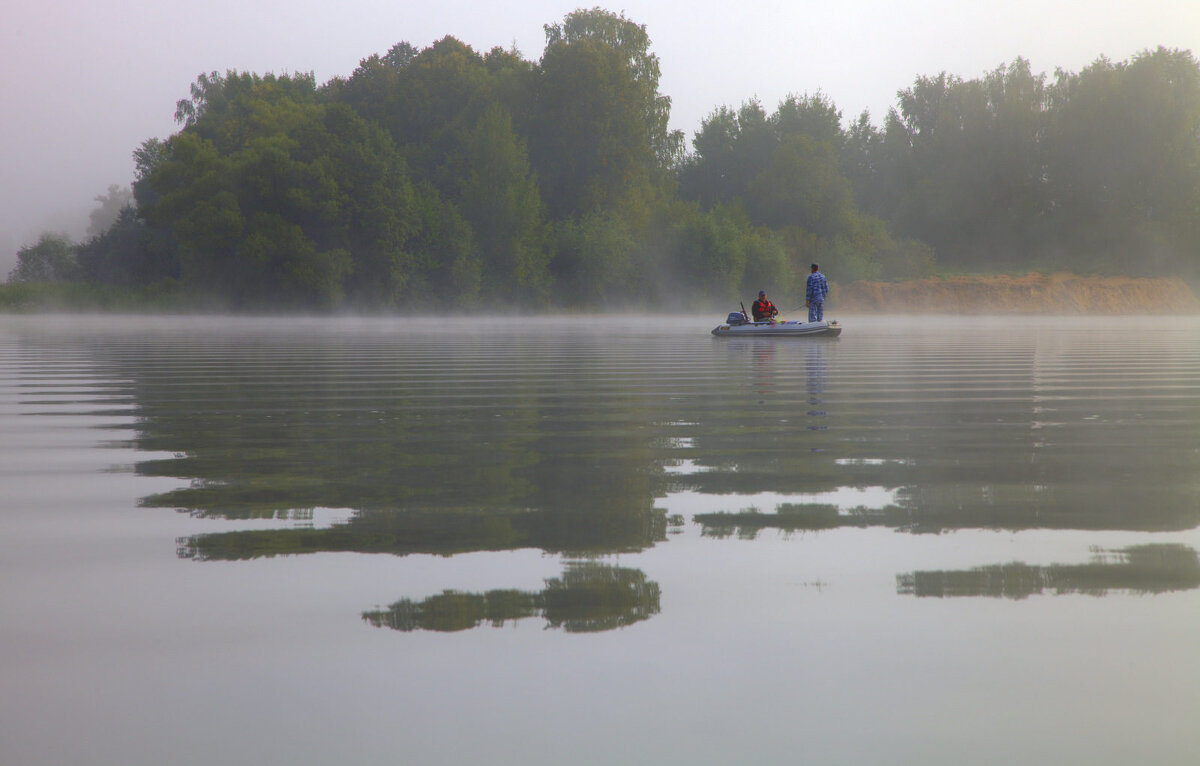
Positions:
{"x": 737, "y": 326}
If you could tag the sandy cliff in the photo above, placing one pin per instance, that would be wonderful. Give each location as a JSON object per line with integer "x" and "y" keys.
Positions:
{"x": 1027, "y": 294}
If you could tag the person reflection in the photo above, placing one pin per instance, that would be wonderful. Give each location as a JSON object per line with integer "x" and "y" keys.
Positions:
{"x": 814, "y": 367}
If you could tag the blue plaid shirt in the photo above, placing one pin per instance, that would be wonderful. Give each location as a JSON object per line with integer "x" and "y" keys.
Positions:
{"x": 817, "y": 288}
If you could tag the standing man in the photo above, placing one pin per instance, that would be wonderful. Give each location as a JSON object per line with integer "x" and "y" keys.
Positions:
{"x": 814, "y": 295}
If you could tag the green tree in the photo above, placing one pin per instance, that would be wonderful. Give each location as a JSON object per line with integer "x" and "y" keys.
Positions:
{"x": 146, "y": 158}
{"x": 593, "y": 260}
{"x": 599, "y": 132}
{"x": 721, "y": 254}
{"x": 731, "y": 148}
{"x": 51, "y": 259}
{"x": 427, "y": 100}
{"x": 633, "y": 44}
{"x": 967, "y": 166}
{"x": 446, "y": 257}
{"x": 449, "y": 110}
{"x": 1124, "y": 162}
{"x": 803, "y": 186}
{"x": 785, "y": 168}
{"x": 942, "y": 124}
{"x": 814, "y": 116}
{"x": 289, "y": 202}
{"x": 790, "y": 172}
{"x": 499, "y": 197}
{"x": 128, "y": 253}
{"x": 712, "y": 172}
{"x": 109, "y": 207}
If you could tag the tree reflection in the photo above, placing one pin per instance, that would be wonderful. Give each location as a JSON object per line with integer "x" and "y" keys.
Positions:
{"x": 1035, "y": 432}
{"x": 436, "y": 447}
{"x": 798, "y": 517}
{"x": 446, "y": 532}
{"x": 1156, "y": 568}
{"x": 589, "y": 597}
{"x": 936, "y": 509}
{"x": 471, "y": 436}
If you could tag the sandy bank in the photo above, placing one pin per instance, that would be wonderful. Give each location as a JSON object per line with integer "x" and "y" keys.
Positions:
{"x": 1026, "y": 294}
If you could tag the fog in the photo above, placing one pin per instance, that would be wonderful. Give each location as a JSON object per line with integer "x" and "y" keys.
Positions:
{"x": 87, "y": 83}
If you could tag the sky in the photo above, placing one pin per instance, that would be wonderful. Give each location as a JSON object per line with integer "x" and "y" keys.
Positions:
{"x": 84, "y": 82}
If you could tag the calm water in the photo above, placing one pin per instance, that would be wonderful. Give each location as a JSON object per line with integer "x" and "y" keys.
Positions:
{"x": 596, "y": 541}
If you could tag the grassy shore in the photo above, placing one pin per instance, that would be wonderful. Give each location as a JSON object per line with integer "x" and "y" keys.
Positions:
{"x": 35, "y": 297}
{"x": 1031, "y": 293}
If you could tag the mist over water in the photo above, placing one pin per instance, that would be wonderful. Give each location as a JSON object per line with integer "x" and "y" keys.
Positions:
{"x": 598, "y": 540}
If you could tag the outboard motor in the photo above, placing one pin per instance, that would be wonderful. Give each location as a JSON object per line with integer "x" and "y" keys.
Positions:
{"x": 735, "y": 318}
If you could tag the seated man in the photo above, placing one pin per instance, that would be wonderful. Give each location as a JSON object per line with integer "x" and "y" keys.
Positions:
{"x": 762, "y": 308}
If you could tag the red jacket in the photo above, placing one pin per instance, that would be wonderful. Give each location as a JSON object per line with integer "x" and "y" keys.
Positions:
{"x": 763, "y": 309}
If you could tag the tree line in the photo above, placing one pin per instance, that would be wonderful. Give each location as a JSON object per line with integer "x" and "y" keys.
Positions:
{"x": 450, "y": 178}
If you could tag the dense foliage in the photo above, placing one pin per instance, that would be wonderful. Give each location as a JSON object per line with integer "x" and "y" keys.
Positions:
{"x": 1098, "y": 170}
{"x": 445, "y": 178}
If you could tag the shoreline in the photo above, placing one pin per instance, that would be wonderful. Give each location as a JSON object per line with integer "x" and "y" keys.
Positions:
{"x": 1032, "y": 293}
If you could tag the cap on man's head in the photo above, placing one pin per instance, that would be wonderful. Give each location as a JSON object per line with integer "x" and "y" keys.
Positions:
{"x": 762, "y": 292}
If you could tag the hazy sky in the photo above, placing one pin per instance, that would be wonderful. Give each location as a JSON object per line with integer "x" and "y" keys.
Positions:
{"x": 85, "y": 81}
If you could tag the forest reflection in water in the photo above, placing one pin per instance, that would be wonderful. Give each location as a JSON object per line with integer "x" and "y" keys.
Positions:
{"x": 893, "y": 530}
{"x": 588, "y": 597}
{"x": 576, "y": 438}
{"x": 1153, "y": 568}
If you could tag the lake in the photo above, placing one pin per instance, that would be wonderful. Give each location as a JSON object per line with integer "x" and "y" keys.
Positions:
{"x": 594, "y": 540}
